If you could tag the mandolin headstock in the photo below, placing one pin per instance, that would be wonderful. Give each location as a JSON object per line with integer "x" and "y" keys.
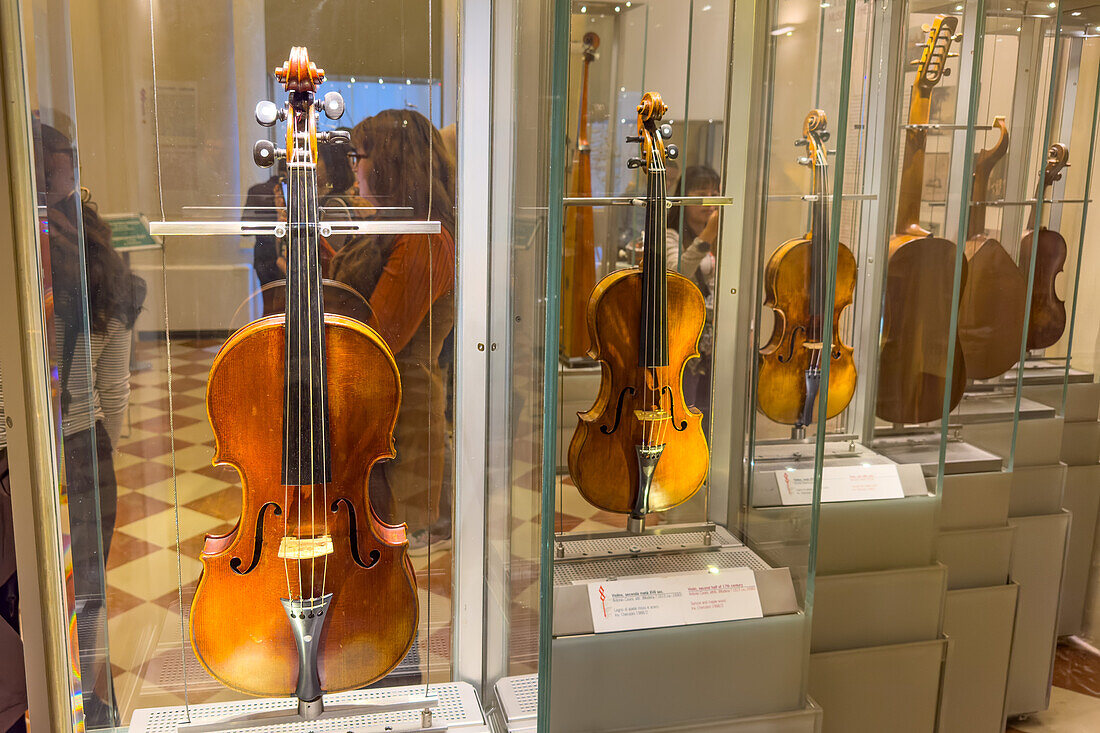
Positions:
{"x": 932, "y": 64}
{"x": 1057, "y": 161}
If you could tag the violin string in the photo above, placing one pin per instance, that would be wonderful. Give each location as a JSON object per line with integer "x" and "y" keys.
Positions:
{"x": 325, "y": 457}
{"x": 298, "y": 310}
{"x": 290, "y": 270}
{"x": 311, "y": 262}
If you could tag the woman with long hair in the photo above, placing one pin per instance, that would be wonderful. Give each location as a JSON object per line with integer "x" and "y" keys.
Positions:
{"x": 401, "y": 160}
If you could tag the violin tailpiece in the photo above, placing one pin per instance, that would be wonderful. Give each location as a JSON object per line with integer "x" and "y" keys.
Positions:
{"x": 307, "y": 615}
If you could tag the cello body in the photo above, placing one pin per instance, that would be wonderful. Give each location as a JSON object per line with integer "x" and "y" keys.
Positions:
{"x": 602, "y": 460}
{"x": 239, "y": 630}
{"x": 993, "y": 301}
{"x": 781, "y": 390}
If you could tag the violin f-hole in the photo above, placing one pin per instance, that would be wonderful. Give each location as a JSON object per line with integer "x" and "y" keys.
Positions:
{"x": 235, "y": 563}
{"x": 783, "y": 359}
{"x": 680, "y": 426}
{"x": 353, "y": 536}
{"x": 618, "y": 411}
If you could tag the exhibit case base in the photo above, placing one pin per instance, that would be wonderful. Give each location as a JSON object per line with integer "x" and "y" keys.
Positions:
{"x": 517, "y": 707}
{"x": 454, "y": 707}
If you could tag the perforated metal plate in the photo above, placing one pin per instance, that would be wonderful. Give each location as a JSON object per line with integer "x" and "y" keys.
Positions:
{"x": 621, "y": 567}
{"x": 519, "y": 701}
{"x": 458, "y": 707}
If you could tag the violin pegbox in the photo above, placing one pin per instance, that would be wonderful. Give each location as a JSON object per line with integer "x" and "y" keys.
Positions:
{"x": 1057, "y": 160}
{"x": 651, "y": 136}
{"x": 300, "y": 77}
{"x": 814, "y": 135}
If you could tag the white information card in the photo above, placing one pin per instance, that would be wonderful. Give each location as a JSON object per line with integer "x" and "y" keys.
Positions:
{"x": 675, "y": 600}
{"x": 840, "y": 483}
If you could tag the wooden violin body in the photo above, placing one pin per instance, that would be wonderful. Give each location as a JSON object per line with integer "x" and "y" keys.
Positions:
{"x": 1048, "y": 311}
{"x": 602, "y": 454}
{"x": 1047, "y": 321}
{"x": 992, "y": 304}
{"x": 641, "y": 448}
{"x": 239, "y": 630}
{"x": 796, "y": 288}
{"x": 310, "y": 592}
{"x": 916, "y": 318}
{"x": 781, "y": 389}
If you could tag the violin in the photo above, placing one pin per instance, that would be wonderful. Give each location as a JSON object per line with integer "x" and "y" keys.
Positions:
{"x": 310, "y": 592}
{"x": 920, "y": 272}
{"x": 641, "y": 448}
{"x": 992, "y": 305}
{"x": 579, "y": 240}
{"x": 795, "y": 282}
{"x": 1048, "y": 312}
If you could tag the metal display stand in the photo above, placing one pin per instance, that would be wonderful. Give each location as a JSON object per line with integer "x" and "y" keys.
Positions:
{"x": 451, "y": 706}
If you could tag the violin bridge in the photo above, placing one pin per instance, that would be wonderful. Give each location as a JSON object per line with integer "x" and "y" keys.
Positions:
{"x": 305, "y": 548}
{"x": 813, "y": 345}
{"x": 651, "y": 415}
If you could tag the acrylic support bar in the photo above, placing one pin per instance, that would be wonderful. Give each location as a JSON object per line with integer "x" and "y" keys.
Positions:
{"x": 278, "y": 228}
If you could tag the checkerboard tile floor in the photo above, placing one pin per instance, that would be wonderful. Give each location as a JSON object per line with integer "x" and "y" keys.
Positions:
{"x": 151, "y": 661}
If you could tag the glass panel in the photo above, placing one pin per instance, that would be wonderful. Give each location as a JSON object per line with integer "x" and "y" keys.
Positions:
{"x": 165, "y": 112}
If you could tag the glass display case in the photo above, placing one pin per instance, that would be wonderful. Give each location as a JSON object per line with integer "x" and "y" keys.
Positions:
{"x": 652, "y": 333}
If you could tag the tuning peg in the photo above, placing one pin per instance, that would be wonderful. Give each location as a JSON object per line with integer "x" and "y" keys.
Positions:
{"x": 957, "y": 37}
{"x": 801, "y": 142}
{"x": 803, "y": 160}
{"x": 267, "y": 114}
{"x": 634, "y": 138}
{"x": 264, "y": 153}
{"x": 925, "y": 28}
{"x": 952, "y": 54}
{"x": 825, "y": 135}
{"x": 915, "y": 62}
{"x": 947, "y": 72}
{"x": 672, "y": 152}
{"x": 332, "y": 105}
{"x": 337, "y": 137}
{"x": 666, "y": 131}
{"x": 635, "y": 163}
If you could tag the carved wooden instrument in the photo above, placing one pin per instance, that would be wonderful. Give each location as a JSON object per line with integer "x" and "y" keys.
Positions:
{"x": 1048, "y": 311}
{"x": 310, "y": 592}
{"x": 992, "y": 305}
{"x": 920, "y": 271}
{"x": 578, "y": 271}
{"x": 640, "y": 448}
{"x": 795, "y": 283}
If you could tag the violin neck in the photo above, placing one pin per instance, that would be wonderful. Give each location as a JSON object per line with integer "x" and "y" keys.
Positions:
{"x": 653, "y": 323}
{"x": 911, "y": 188}
{"x": 819, "y": 238}
{"x": 1040, "y": 194}
{"x": 305, "y": 397}
{"x": 582, "y": 113}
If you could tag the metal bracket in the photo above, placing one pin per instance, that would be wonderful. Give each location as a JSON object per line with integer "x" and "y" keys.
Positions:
{"x": 430, "y": 720}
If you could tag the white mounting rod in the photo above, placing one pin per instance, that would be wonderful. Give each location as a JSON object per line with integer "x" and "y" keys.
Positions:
{"x": 278, "y": 228}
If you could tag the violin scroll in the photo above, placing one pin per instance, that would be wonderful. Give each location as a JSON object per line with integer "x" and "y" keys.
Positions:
{"x": 300, "y": 77}
{"x": 1057, "y": 161}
